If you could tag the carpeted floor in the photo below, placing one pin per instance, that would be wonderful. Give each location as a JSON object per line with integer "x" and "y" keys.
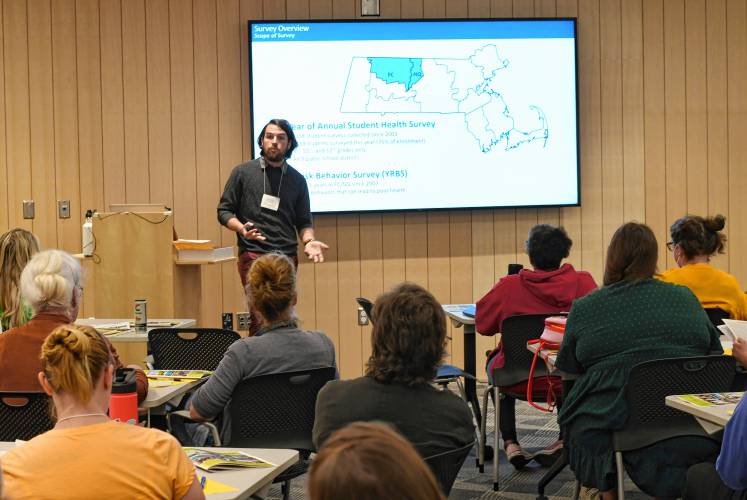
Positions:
{"x": 536, "y": 431}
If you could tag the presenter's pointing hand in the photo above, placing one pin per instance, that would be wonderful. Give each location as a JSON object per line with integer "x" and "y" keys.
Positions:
{"x": 250, "y": 232}
{"x": 314, "y": 249}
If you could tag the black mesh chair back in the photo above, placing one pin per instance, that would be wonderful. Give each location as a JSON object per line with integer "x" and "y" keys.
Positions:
{"x": 277, "y": 410}
{"x": 717, "y": 316}
{"x": 650, "y": 382}
{"x": 516, "y": 332}
{"x": 367, "y": 306}
{"x": 24, "y": 415}
{"x": 446, "y": 466}
{"x": 189, "y": 348}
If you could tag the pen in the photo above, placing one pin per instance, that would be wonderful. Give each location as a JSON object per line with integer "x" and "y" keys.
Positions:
{"x": 202, "y": 482}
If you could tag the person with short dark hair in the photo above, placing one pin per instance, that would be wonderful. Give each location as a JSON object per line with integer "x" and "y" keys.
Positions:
{"x": 548, "y": 288}
{"x": 694, "y": 240}
{"x": 632, "y": 319}
{"x": 408, "y": 343}
{"x": 266, "y": 203}
{"x": 370, "y": 461}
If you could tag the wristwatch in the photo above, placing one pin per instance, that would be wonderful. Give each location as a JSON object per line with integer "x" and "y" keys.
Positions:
{"x": 306, "y": 242}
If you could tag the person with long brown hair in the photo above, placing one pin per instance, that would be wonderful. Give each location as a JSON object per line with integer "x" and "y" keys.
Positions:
{"x": 368, "y": 461}
{"x": 17, "y": 246}
{"x": 632, "y": 319}
{"x": 694, "y": 240}
{"x": 279, "y": 345}
{"x": 106, "y": 459}
{"x": 408, "y": 343}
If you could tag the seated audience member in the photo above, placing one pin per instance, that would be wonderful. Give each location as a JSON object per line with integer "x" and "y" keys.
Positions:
{"x": 548, "y": 288}
{"x": 279, "y": 345}
{"x": 367, "y": 461}
{"x": 86, "y": 455}
{"x": 51, "y": 285}
{"x": 728, "y": 479}
{"x": 408, "y": 343}
{"x": 17, "y": 246}
{"x": 632, "y": 319}
{"x": 694, "y": 240}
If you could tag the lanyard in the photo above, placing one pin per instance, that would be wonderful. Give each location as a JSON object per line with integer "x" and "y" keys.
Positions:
{"x": 264, "y": 176}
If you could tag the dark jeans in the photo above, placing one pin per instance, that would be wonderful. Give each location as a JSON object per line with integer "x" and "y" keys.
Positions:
{"x": 246, "y": 259}
{"x": 704, "y": 483}
{"x": 508, "y": 418}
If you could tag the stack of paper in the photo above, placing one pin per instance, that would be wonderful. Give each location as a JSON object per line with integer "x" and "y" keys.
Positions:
{"x": 734, "y": 329}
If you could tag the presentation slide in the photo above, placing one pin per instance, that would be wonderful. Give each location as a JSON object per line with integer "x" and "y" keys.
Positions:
{"x": 423, "y": 114}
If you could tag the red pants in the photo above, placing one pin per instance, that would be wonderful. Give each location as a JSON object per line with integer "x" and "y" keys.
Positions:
{"x": 246, "y": 259}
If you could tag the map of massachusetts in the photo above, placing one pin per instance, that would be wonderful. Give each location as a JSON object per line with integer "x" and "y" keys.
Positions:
{"x": 406, "y": 85}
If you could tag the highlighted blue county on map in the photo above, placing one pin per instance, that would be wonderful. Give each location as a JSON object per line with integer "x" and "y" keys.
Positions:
{"x": 404, "y": 70}
{"x": 468, "y": 86}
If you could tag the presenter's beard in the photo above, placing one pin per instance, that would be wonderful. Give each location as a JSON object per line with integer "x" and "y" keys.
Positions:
{"x": 274, "y": 155}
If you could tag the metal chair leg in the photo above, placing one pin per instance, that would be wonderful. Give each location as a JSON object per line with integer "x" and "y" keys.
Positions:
{"x": 497, "y": 405}
{"x": 483, "y": 433}
{"x": 551, "y": 473}
{"x": 577, "y": 490}
{"x": 620, "y": 475}
{"x": 285, "y": 489}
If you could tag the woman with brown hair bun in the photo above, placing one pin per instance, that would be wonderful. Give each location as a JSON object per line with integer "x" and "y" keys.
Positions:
{"x": 279, "y": 345}
{"x": 694, "y": 240}
{"x": 367, "y": 461}
{"x": 408, "y": 343}
{"x": 86, "y": 455}
{"x": 632, "y": 319}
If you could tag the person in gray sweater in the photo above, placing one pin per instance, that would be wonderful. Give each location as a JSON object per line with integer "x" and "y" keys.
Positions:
{"x": 409, "y": 342}
{"x": 279, "y": 346}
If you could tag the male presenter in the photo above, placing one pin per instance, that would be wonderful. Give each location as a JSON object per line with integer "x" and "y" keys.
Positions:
{"x": 266, "y": 202}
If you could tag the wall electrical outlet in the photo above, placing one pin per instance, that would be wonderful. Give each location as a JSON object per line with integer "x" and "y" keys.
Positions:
{"x": 63, "y": 209}
{"x": 29, "y": 210}
{"x": 362, "y": 317}
{"x": 369, "y": 7}
{"x": 243, "y": 321}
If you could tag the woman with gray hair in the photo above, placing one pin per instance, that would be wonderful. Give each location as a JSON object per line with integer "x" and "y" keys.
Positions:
{"x": 51, "y": 283}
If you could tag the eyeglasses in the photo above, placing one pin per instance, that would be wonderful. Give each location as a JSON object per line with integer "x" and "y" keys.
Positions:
{"x": 670, "y": 245}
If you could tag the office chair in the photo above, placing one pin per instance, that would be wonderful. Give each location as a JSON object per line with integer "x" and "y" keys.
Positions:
{"x": 24, "y": 415}
{"x": 189, "y": 348}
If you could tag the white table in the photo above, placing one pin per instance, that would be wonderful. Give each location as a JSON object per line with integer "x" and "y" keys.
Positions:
{"x": 712, "y": 418}
{"x": 459, "y": 319}
{"x": 248, "y": 481}
{"x": 133, "y": 335}
{"x": 159, "y": 396}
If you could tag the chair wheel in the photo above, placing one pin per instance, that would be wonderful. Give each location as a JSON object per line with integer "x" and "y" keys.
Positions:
{"x": 495, "y": 486}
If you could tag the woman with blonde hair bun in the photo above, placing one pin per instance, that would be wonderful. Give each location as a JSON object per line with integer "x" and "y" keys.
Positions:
{"x": 51, "y": 283}
{"x": 109, "y": 459}
{"x": 279, "y": 345}
{"x": 17, "y": 246}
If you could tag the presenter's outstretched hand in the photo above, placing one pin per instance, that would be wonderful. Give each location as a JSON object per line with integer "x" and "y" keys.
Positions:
{"x": 250, "y": 232}
{"x": 314, "y": 249}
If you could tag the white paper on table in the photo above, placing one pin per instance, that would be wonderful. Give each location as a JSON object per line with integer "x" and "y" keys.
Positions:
{"x": 738, "y": 328}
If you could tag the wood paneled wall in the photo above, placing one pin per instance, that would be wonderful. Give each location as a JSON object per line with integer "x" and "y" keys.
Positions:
{"x": 111, "y": 101}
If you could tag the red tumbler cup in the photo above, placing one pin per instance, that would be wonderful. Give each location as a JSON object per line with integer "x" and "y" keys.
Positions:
{"x": 123, "y": 403}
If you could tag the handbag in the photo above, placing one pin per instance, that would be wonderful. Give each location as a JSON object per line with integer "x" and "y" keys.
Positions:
{"x": 551, "y": 338}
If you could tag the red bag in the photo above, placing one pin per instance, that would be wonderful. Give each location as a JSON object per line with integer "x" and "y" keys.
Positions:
{"x": 551, "y": 338}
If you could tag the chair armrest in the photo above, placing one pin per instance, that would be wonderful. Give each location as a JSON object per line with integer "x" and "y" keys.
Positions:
{"x": 185, "y": 415}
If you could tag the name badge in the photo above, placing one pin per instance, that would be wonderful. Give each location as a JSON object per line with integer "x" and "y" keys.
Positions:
{"x": 270, "y": 202}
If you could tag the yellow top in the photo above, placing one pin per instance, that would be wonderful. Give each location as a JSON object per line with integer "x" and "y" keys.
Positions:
{"x": 713, "y": 287}
{"x": 107, "y": 460}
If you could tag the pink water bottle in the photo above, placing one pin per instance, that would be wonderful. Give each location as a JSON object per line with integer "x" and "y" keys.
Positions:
{"x": 123, "y": 403}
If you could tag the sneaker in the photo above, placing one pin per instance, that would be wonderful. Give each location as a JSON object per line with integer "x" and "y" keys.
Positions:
{"x": 549, "y": 456}
{"x": 516, "y": 456}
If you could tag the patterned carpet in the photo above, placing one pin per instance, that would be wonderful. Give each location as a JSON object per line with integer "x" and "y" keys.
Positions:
{"x": 536, "y": 431}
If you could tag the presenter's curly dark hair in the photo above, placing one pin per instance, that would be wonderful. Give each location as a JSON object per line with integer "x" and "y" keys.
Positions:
{"x": 547, "y": 246}
{"x": 698, "y": 235}
{"x": 283, "y": 124}
{"x": 409, "y": 336}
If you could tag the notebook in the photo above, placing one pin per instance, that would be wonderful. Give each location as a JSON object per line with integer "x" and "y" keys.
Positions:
{"x": 469, "y": 311}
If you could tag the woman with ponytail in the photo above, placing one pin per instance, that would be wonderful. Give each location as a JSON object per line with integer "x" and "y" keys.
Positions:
{"x": 279, "y": 345}
{"x": 105, "y": 459}
{"x": 694, "y": 240}
{"x": 17, "y": 246}
{"x": 51, "y": 283}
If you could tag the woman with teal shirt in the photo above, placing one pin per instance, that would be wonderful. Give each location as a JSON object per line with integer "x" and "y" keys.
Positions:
{"x": 17, "y": 246}
{"x": 633, "y": 318}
